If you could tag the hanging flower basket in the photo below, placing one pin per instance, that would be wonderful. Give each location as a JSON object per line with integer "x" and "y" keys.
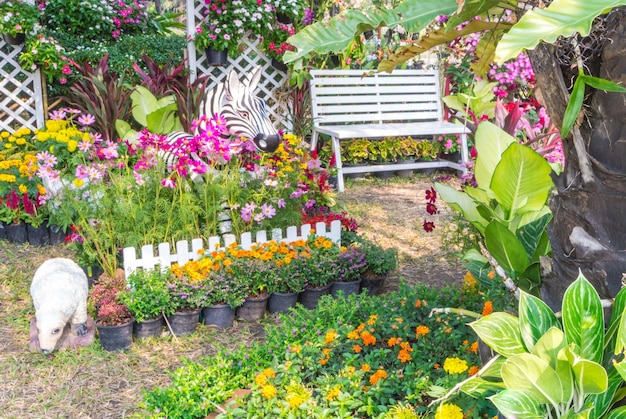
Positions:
{"x": 216, "y": 57}
{"x": 14, "y": 40}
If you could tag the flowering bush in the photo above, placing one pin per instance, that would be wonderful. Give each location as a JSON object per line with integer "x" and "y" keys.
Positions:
{"x": 105, "y": 303}
{"x": 147, "y": 295}
{"x": 449, "y": 143}
{"x": 379, "y": 261}
{"x": 185, "y": 293}
{"x": 275, "y": 42}
{"x": 351, "y": 264}
{"x": 18, "y": 16}
{"x": 226, "y": 22}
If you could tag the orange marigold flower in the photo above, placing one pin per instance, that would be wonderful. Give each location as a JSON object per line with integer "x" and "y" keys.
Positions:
{"x": 448, "y": 329}
{"x": 465, "y": 342}
{"x": 323, "y": 361}
{"x": 491, "y": 274}
{"x": 404, "y": 356}
{"x": 436, "y": 366}
{"x": 487, "y": 308}
{"x": 393, "y": 341}
{"x": 421, "y": 330}
{"x": 357, "y": 348}
{"x": 418, "y": 304}
{"x": 326, "y": 351}
{"x": 394, "y": 326}
{"x": 399, "y": 319}
{"x": 366, "y": 367}
{"x": 360, "y": 327}
{"x": 407, "y": 346}
{"x": 333, "y": 393}
{"x": 368, "y": 338}
{"x": 473, "y": 347}
{"x": 330, "y": 337}
{"x": 473, "y": 370}
{"x": 377, "y": 376}
{"x": 372, "y": 319}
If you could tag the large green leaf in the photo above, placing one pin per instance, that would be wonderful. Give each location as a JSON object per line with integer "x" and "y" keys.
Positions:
{"x": 433, "y": 38}
{"x": 560, "y": 18}
{"x": 530, "y": 235}
{"x": 590, "y": 377}
{"x": 620, "y": 338}
{"x": 144, "y": 102}
{"x": 500, "y": 331}
{"x": 337, "y": 34}
{"x": 518, "y": 404}
{"x": 491, "y": 142}
{"x": 583, "y": 319}
{"x": 534, "y": 376}
{"x": 535, "y": 319}
{"x": 463, "y": 203}
{"x": 521, "y": 181}
{"x": 506, "y": 248}
{"x": 164, "y": 120}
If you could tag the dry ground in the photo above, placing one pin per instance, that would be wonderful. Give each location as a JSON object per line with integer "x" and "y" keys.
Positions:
{"x": 91, "y": 383}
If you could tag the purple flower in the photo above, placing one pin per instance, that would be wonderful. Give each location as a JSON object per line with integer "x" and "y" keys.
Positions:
{"x": 268, "y": 211}
{"x": 168, "y": 182}
{"x": 281, "y": 203}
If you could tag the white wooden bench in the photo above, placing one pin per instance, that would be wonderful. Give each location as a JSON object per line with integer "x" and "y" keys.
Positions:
{"x": 344, "y": 105}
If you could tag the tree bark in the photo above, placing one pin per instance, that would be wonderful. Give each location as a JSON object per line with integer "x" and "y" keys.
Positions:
{"x": 588, "y": 231}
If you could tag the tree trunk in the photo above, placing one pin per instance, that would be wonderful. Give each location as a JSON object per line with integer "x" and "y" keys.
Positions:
{"x": 588, "y": 231}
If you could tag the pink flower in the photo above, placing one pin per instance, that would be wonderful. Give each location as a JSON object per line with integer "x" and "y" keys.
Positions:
{"x": 168, "y": 182}
{"x": 86, "y": 119}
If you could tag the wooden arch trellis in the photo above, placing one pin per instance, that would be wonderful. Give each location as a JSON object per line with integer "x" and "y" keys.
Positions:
{"x": 22, "y": 98}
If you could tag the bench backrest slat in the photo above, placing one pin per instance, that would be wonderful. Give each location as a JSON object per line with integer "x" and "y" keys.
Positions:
{"x": 345, "y": 96}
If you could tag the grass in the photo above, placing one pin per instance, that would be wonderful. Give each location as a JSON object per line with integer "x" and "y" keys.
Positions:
{"x": 92, "y": 383}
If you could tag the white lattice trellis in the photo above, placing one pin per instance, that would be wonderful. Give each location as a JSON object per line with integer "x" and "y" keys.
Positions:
{"x": 21, "y": 95}
{"x": 273, "y": 85}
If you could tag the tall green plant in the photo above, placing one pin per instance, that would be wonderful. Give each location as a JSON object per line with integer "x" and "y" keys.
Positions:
{"x": 508, "y": 206}
{"x": 551, "y": 367}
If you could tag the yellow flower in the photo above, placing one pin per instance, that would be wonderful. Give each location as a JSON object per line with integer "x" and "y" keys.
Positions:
{"x": 449, "y": 411}
{"x": 71, "y": 146}
{"x": 22, "y": 188}
{"x": 268, "y": 391}
{"x": 7, "y": 178}
{"x": 372, "y": 319}
{"x": 333, "y": 393}
{"x": 455, "y": 365}
{"x": 260, "y": 380}
{"x": 4, "y": 134}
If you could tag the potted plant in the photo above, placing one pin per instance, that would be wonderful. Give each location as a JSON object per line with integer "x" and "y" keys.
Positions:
{"x": 316, "y": 263}
{"x": 147, "y": 298}
{"x": 427, "y": 150}
{"x": 275, "y": 44}
{"x": 383, "y": 152}
{"x": 288, "y": 11}
{"x": 380, "y": 262}
{"x": 254, "y": 273}
{"x": 220, "y": 32}
{"x": 187, "y": 297}
{"x": 287, "y": 283}
{"x": 350, "y": 265}
{"x": 17, "y": 19}
{"x": 113, "y": 319}
{"x": 408, "y": 152}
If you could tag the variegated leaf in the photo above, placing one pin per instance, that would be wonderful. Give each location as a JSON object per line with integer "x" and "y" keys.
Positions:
{"x": 500, "y": 331}
{"x": 535, "y": 318}
{"x": 534, "y": 376}
{"x": 583, "y": 319}
{"x": 590, "y": 377}
{"x": 617, "y": 413}
{"x": 517, "y": 404}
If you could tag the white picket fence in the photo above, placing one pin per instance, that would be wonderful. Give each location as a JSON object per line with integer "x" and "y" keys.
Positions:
{"x": 164, "y": 258}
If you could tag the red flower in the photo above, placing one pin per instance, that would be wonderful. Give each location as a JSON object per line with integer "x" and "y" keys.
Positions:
{"x": 431, "y": 195}
{"x": 429, "y": 226}
{"x": 431, "y": 208}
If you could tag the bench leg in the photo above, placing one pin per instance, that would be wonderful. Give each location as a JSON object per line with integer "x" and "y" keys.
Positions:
{"x": 464, "y": 153}
{"x": 314, "y": 136}
{"x": 338, "y": 163}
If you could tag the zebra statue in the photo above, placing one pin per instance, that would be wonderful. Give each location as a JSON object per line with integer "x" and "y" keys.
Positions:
{"x": 244, "y": 114}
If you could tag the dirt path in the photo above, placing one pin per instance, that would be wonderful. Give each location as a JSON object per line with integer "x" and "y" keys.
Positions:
{"x": 392, "y": 215}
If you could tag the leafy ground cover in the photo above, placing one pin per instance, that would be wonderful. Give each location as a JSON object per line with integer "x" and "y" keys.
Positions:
{"x": 93, "y": 383}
